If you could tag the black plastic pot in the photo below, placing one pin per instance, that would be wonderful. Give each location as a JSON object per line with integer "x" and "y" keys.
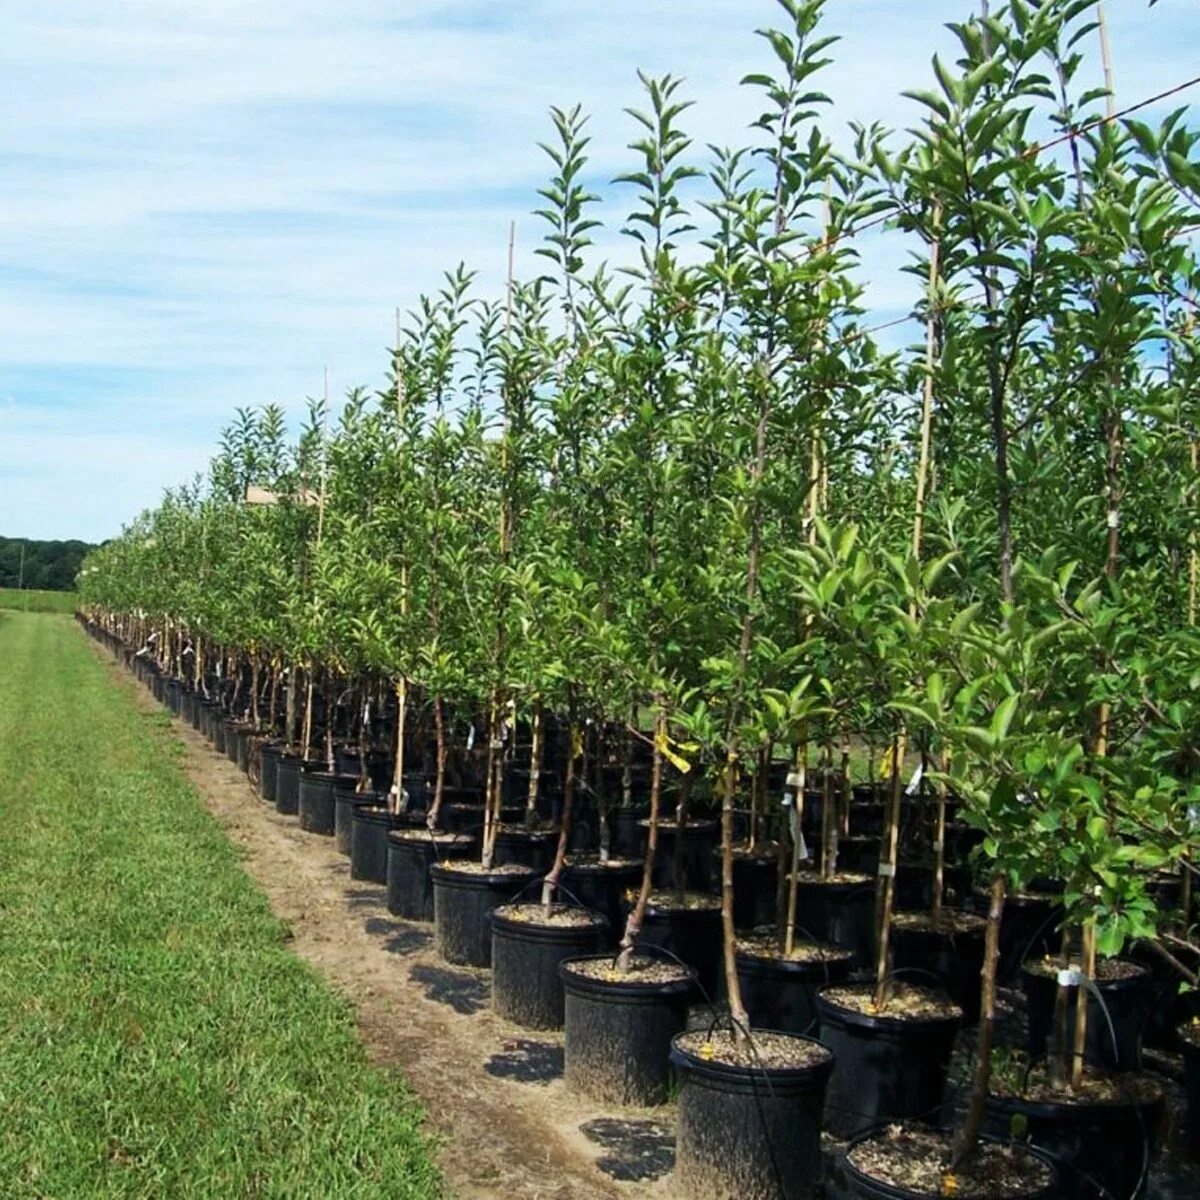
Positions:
{"x": 533, "y": 848}
{"x": 463, "y": 902}
{"x": 914, "y": 885}
{"x": 1190, "y": 1052}
{"x": 859, "y": 854}
{"x": 1126, "y": 1006}
{"x": 1102, "y": 1150}
{"x": 628, "y": 838}
{"x": 526, "y": 988}
{"x": 617, "y": 1036}
{"x": 842, "y": 913}
{"x": 218, "y": 732}
{"x": 859, "y": 1186}
{"x": 369, "y": 829}
{"x": 287, "y": 784}
{"x": 268, "y": 774}
{"x": 410, "y": 854}
{"x": 460, "y": 817}
{"x": 887, "y": 1068}
{"x": 234, "y": 732}
{"x": 754, "y": 883}
{"x": 316, "y": 806}
{"x": 781, "y": 993}
{"x": 691, "y": 935}
{"x": 700, "y": 840}
{"x": 601, "y": 887}
{"x": 750, "y": 1132}
{"x": 345, "y": 801}
{"x": 245, "y": 748}
{"x": 950, "y": 958}
{"x": 1169, "y": 1008}
{"x": 1028, "y": 929}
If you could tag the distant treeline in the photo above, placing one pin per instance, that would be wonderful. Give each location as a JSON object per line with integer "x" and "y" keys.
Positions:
{"x": 49, "y": 566}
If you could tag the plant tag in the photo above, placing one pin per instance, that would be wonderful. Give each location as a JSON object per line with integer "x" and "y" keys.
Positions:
{"x": 471, "y": 737}
{"x": 939, "y": 845}
{"x": 795, "y": 779}
{"x": 535, "y": 774}
{"x": 367, "y": 713}
{"x": 1071, "y": 977}
{"x": 789, "y": 801}
{"x": 1114, "y": 518}
{"x": 915, "y": 782}
{"x": 887, "y": 870}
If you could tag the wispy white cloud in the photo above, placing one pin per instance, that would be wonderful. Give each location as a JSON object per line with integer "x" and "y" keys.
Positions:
{"x": 204, "y": 202}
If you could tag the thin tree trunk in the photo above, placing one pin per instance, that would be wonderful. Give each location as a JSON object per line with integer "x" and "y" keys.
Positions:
{"x": 887, "y": 873}
{"x": 535, "y": 768}
{"x": 633, "y": 926}
{"x": 550, "y": 885}
{"x": 396, "y": 799}
{"x": 968, "y": 1135}
{"x": 439, "y": 781}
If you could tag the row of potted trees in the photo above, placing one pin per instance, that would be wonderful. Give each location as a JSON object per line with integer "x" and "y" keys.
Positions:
{"x": 623, "y": 566}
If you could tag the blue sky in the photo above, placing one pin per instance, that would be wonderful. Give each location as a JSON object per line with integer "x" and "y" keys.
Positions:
{"x": 203, "y": 203}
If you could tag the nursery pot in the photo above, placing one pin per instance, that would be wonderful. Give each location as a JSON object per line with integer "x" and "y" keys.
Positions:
{"x": 370, "y": 825}
{"x": 691, "y": 934}
{"x": 627, "y": 835}
{"x": 533, "y": 848}
{"x": 316, "y": 801}
{"x": 781, "y": 993}
{"x": 747, "y": 1129}
{"x": 1189, "y": 1046}
{"x": 700, "y": 839}
{"x": 1028, "y": 929}
{"x": 841, "y": 911}
{"x": 526, "y": 953}
{"x": 410, "y": 854}
{"x": 887, "y": 1067}
{"x": 952, "y": 954}
{"x": 754, "y": 879}
{"x": 287, "y": 784}
{"x": 1126, "y": 1003}
{"x": 617, "y": 1033}
{"x": 218, "y": 731}
{"x": 464, "y": 898}
{"x": 601, "y": 887}
{"x": 268, "y": 774}
{"x": 859, "y": 854}
{"x": 1102, "y": 1149}
{"x": 861, "y": 1186}
{"x": 1169, "y": 1009}
{"x": 345, "y": 801}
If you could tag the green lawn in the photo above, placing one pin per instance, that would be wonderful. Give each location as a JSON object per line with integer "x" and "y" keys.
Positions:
{"x": 157, "y": 1039}
{"x": 31, "y": 600}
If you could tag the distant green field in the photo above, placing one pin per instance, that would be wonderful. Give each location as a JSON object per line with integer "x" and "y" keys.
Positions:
{"x": 35, "y": 601}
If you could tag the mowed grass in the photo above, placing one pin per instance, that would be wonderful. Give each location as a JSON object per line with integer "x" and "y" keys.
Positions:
{"x": 157, "y": 1038}
{"x": 32, "y": 600}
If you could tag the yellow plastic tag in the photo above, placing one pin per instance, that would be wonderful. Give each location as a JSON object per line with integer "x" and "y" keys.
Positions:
{"x": 949, "y": 1185}
{"x": 885, "y": 764}
{"x": 576, "y": 743}
{"x": 662, "y": 744}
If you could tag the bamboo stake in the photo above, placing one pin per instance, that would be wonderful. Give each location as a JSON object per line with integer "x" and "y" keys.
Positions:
{"x": 492, "y": 798}
{"x": 1111, "y": 567}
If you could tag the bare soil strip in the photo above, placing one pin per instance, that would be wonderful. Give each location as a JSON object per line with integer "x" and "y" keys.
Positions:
{"x": 494, "y": 1092}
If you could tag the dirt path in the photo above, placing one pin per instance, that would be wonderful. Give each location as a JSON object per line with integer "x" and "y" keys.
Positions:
{"x": 494, "y": 1093}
